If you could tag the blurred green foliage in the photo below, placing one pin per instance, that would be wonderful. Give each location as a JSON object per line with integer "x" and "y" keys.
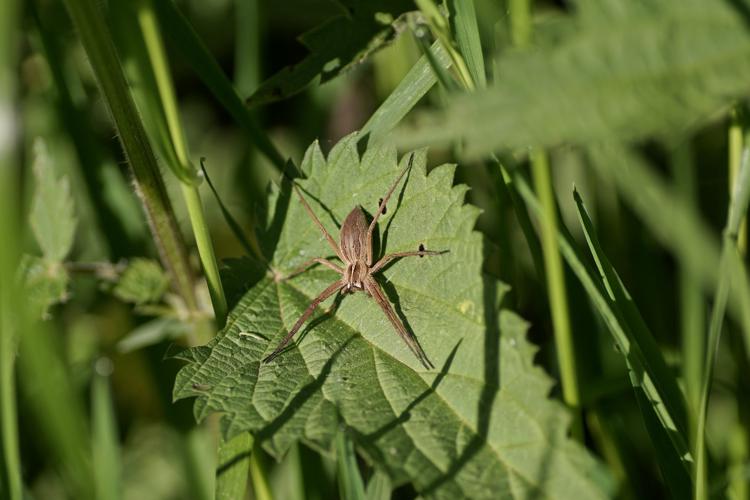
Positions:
{"x": 640, "y": 105}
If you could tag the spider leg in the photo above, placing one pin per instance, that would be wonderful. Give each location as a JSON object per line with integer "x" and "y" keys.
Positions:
{"x": 317, "y": 222}
{"x": 373, "y": 288}
{"x": 333, "y": 288}
{"x": 318, "y": 260}
{"x": 382, "y": 207}
{"x": 397, "y": 255}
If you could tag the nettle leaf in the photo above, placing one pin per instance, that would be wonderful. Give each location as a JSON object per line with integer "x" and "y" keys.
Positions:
{"x": 142, "y": 282}
{"x": 46, "y": 282}
{"x": 335, "y": 46}
{"x": 52, "y": 217}
{"x": 480, "y": 425}
{"x": 625, "y": 70}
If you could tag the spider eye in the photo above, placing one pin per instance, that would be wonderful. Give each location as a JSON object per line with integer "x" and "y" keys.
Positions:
{"x": 380, "y": 202}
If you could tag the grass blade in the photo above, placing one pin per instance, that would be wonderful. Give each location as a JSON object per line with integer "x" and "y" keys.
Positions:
{"x": 379, "y": 486}
{"x": 463, "y": 18}
{"x": 670, "y": 425}
{"x": 417, "y": 82}
{"x": 105, "y": 442}
{"x": 677, "y": 226}
{"x": 351, "y": 486}
{"x": 731, "y": 271}
{"x": 56, "y": 408}
{"x": 233, "y": 467}
{"x": 642, "y": 379}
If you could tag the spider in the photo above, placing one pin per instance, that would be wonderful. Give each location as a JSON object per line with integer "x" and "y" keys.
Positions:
{"x": 355, "y": 252}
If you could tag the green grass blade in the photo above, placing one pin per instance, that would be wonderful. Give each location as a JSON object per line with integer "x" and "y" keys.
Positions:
{"x": 692, "y": 307}
{"x": 440, "y": 71}
{"x": 10, "y": 461}
{"x": 251, "y": 247}
{"x": 233, "y": 467}
{"x": 417, "y": 82}
{"x": 642, "y": 379}
{"x": 379, "y": 486}
{"x": 660, "y": 391}
{"x": 351, "y": 486}
{"x": 105, "y": 441}
{"x": 186, "y": 42}
{"x": 97, "y": 42}
{"x": 636, "y": 328}
{"x": 259, "y": 476}
{"x": 676, "y": 225}
{"x": 56, "y": 408}
{"x": 727, "y": 267}
{"x": 731, "y": 272}
{"x": 463, "y": 18}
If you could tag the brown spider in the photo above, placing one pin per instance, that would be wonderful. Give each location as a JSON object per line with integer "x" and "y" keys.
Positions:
{"x": 355, "y": 251}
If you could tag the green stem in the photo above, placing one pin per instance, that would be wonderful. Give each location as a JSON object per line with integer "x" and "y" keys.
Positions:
{"x": 97, "y": 42}
{"x": 521, "y": 31}
{"x": 157, "y": 56}
{"x": 556, "y": 280}
{"x": 692, "y": 307}
{"x": 714, "y": 334}
{"x": 10, "y": 477}
{"x": 736, "y": 145}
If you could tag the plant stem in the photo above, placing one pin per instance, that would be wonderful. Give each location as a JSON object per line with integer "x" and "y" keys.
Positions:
{"x": 692, "y": 307}
{"x": 97, "y": 42}
{"x": 555, "y": 275}
{"x": 157, "y": 56}
{"x": 731, "y": 269}
{"x": 10, "y": 478}
{"x": 521, "y": 31}
{"x": 736, "y": 145}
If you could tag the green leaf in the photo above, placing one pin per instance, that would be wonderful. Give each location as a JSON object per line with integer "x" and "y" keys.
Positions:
{"x": 623, "y": 70}
{"x": 52, "y": 217}
{"x": 479, "y": 426}
{"x": 143, "y": 282}
{"x": 335, "y": 46}
{"x": 46, "y": 283}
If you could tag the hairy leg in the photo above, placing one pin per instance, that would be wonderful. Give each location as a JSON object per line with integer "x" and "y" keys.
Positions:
{"x": 373, "y": 288}
{"x": 382, "y": 207}
{"x": 333, "y": 288}
{"x": 307, "y": 265}
{"x": 317, "y": 222}
{"x": 386, "y": 259}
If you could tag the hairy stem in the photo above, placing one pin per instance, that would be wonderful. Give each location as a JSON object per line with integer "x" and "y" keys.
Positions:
{"x": 97, "y": 42}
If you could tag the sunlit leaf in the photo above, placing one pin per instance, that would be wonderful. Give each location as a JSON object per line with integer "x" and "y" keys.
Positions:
{"x": 480, "y": 425}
